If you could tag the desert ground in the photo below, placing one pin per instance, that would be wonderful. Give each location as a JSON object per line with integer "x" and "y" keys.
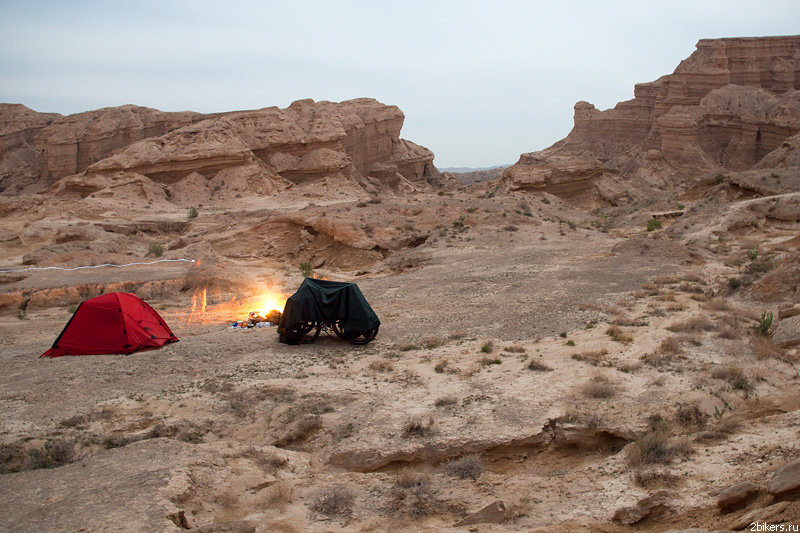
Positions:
{"x": 566, "y": 369}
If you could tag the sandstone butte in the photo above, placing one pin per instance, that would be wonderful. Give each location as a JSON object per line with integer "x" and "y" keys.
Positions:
{"x": 252, "y": 152}
{"x": 724, "y": 108}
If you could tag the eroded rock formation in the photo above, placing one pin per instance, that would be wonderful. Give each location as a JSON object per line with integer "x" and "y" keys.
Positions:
{"x": 256, "y": 152}
{"x": 727, "y": 106}
{"x": 259, "y": 152}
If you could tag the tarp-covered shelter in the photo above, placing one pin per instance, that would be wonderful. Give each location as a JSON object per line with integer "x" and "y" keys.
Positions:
{"x": 320, "y": 302}
{"x": 117, "y": 322}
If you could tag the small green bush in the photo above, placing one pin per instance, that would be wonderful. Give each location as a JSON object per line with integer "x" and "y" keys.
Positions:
{"x": 22, "y": 314}
{"x": 765, "y": 324}
{"x": 306, "y": 269}
{"x": 155, "y": 250}
{"x": 72, "y": 308}
{"x": 653, "y": 224}
{"x": 193, "y": 212}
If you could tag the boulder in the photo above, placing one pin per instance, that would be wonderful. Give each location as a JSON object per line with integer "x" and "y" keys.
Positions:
{"x": 786, "y": 481}
{"x": 494, "y": 513}
{"x": 643, "y": 508}
{"x": 787, "y": 332}
{"x": 737, "y": 495}
{"x": 767, "y": 514}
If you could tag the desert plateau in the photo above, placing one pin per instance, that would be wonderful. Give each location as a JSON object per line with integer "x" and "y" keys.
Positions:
{"x": 601, "y": 337}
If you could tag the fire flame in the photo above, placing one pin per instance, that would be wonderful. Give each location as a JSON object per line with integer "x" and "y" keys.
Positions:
{"x": 231, "y": 308}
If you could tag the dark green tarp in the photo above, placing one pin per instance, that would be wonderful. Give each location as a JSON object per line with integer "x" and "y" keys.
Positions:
{"x": 324, "y": 301}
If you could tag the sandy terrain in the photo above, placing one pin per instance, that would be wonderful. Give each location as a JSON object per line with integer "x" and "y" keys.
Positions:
{"x": 520, "y": 358}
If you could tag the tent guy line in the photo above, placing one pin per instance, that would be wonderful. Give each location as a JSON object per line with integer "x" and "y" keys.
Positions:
{"x": 100, "y": 266}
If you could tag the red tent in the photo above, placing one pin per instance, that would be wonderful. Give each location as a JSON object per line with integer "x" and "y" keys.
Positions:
{"x": 117, "y": 322}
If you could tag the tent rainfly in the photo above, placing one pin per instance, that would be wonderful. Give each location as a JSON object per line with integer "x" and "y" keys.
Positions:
{"x": 117, "y": 322}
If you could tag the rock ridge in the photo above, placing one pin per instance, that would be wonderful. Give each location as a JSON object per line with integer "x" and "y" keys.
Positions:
{"x": 725, "y": 107}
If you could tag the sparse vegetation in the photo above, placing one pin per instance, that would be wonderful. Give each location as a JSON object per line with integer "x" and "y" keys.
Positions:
{"x": 653, "y": 224}
{"x": 337, "y": 500}
{"x": 433, "y": 342}
{"x": 656, "y": 446}
{"x": 193, "y": 212}
{"x": 306, "y": 269}
{"x": 414, "y": 493}
{"x": 765, "y": 324}
{"x": 599, "y": 386}
{"x": 618, "y": 335}
{"x": 445, "y": 401}
{"x": 155, "y": 250}
{"x": 538, "y": 366}
{"x": 467, "y": 467}
{"x": 22, "y": 314}
{"x": 419, "y": 426}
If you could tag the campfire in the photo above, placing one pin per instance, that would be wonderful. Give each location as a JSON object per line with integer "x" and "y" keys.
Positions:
{"x": 264, "y": 308}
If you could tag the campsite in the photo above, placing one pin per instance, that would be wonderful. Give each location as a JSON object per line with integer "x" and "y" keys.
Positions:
{"x": 289, "y": 319}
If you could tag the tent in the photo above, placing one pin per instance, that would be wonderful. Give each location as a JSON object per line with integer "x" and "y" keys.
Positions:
{"x": 117, "y": 322}
{"x": 320, "y": 302}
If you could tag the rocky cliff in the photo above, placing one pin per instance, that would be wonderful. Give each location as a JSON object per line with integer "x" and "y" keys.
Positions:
{"x": 254, "y": 152}
{"x": 725, "y": 107}
{"x": 40, "y": 148}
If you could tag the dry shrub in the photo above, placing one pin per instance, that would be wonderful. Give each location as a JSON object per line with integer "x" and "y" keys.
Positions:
{"x": 414, "y": 493}
{"x": 445, "y": 401}
{"x": 716, "y": 304}
{"x": 419, "y": 426}
{"x": 734, "y": 375}
{"x": 616, "y": 334}
{"x": 337, "y": 500}
{"x": 723, "y": 427}
{"x": 666, "y": 296}
{"x": 656, "y": 447}
{"x": 594, "y": 357}
{"x": 538, "y": 366}
{"x": 730, "y": 333}
{"x": 433, "y": 342}
{"x": 629, "y": 367}
{"x": 670, "y": 345}
{"x": 457, "y": 335}
{"x": 629, "y": 322}
{"x": 281, "y": 493}
{"x": 409, "y": 479}
{"x": 381, "y": 365}
{"x": 763, "y": 348}
{"x": 515, "y": 348}
{"x": 53, "y": 454}
{"x": 299, "y": 430}
{"x": 441, "y": 366}
{"x": 599, "y": 386}
{"x": 467, "y": 467}
{"x": 690, "y": 416}
{"x": 650, "y": 477}
{"x": 12, "y": 457}
{"x": 593, "y": 420}
{"x": 692, "y": 325}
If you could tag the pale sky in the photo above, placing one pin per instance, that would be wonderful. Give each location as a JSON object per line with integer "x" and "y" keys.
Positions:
{"x": 480, "y": 82}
